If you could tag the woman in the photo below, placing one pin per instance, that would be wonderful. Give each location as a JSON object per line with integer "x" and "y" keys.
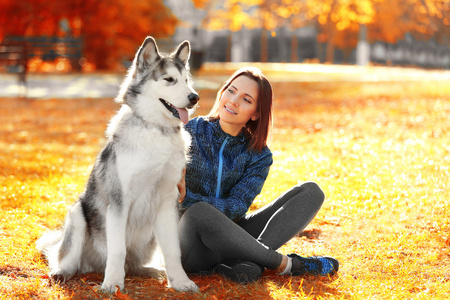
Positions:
{"x": 229, "y": 162}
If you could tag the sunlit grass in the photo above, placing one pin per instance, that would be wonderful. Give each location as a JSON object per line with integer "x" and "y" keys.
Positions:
{"x": 383, "y": 163}
{"x": 380, "y": 151}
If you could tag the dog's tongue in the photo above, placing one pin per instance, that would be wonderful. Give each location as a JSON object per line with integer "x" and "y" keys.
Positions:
{"x": 184, "y": 117}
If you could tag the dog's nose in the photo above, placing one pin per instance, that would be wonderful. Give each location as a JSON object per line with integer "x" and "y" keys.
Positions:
{"x": 193, "y": 98}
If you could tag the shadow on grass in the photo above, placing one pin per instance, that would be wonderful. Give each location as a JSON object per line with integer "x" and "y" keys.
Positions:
{"x": 311, "y": 234}
{"x": 87, "y": 286}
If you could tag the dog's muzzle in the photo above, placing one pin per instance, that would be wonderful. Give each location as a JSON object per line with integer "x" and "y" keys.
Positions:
{"x": 181, "y": 113}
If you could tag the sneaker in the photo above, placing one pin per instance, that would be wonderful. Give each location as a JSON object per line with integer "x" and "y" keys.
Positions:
{"x": 240, "y": 272}
{"x": 314, "y": 265}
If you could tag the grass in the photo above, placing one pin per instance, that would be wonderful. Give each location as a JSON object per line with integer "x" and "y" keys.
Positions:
{"x": 380, "y": 151}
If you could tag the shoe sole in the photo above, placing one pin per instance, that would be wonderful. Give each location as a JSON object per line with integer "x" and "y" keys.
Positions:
{"x": 242, "y": 273}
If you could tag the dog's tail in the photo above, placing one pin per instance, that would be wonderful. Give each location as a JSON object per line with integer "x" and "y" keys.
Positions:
{"x": 47, "y": 245}
{"x": 48, "y": 240}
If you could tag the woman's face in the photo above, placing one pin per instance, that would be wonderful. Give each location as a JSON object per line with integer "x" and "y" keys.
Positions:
{"x": 238, "y": 105}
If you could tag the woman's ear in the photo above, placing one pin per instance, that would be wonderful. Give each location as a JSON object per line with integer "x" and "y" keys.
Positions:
{"x": 255, "y": 117}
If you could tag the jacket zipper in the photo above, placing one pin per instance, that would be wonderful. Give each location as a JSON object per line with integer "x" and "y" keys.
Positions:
{"x": 219, "y": 172}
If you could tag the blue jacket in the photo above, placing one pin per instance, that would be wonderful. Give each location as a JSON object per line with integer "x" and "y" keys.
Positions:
{"x": 221, "y": 170}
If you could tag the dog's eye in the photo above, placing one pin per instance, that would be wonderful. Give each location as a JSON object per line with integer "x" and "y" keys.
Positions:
{"x": 169, "y": 79}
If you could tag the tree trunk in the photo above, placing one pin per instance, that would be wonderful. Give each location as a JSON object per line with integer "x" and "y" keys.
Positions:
{"x": 294, "y": 47}
{"x": 264, "y": 51}
{"x": 329, "y": 52}
{"x": 363, "y": 48}
{"x": 228, "y": 50}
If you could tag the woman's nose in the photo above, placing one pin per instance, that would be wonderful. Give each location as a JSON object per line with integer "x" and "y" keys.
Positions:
{"x": 234, "y": 101}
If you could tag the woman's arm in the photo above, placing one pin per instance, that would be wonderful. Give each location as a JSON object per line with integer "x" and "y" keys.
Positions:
{"x": 182, "y": 186}
{"x": 238, "y": 201}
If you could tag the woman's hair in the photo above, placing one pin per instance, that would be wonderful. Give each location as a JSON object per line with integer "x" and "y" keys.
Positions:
{"x": 258, "y": 130}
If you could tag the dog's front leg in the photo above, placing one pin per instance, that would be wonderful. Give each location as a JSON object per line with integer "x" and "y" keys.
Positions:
{"x": 116, "y": 222}
{"x": 167, "y": 235}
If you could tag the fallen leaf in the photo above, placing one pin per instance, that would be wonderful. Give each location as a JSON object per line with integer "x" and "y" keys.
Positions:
{"x": 122, "y": 296}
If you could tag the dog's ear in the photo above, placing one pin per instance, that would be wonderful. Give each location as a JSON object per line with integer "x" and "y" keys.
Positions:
{"x": 183, "y": 52}
{"x": 148, "y": 53}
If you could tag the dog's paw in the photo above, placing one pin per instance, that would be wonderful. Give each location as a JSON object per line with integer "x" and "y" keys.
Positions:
{"x": 184, "y": 286}
{"x": 110, "y": 287}
{"x": 61, "y": 276}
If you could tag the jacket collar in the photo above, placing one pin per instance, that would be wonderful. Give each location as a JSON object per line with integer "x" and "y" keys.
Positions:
{"x": 222, "y": 135}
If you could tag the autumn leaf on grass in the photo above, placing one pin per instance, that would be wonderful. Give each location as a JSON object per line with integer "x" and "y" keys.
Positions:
{"x": 203, "y": 288}
{"x": 122, "y": 296}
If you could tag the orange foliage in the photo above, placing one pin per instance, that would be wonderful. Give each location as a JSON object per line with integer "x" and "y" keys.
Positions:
{"x": 111, "y": 29}
{"x": 338, "y": 21}
{"x": 232, "y": 15}
{"x": 423, "y": 18}
{"x": 200, "y": 3}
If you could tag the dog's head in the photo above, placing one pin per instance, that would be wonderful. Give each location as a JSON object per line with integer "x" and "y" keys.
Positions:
{"x": 159, "y": 86}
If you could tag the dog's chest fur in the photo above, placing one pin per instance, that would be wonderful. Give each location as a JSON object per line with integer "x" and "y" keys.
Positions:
{"x": 149, "y": 160}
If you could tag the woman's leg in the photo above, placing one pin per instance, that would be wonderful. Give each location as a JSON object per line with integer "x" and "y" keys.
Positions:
{"x": 208, "y": 238}
{"x": 276, "y": 223}
{"x": 279, "y": 221}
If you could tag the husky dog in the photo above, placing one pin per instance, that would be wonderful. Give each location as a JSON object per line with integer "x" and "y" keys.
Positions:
{"x": 130, "y": 201}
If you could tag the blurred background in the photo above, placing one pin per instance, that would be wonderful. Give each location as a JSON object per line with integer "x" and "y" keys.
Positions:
{"x": 104, "y": 34}
{"x": 91, "y": 36}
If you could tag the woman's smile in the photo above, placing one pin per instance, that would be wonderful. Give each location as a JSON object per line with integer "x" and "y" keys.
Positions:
{"x": 230, "y": 110}
{"x": 238, "y": 104}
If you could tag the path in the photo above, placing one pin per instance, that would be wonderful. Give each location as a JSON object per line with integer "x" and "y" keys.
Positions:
{"x": 105, "y": 85}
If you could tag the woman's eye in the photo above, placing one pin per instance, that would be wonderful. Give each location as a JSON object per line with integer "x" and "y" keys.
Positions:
{"x": 169, "y": 79}
{"x": 247, "y": 100}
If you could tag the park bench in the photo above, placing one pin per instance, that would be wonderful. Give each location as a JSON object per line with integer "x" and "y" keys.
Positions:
{"x": 15, "y": 51}
{"x": 14, "y": 57}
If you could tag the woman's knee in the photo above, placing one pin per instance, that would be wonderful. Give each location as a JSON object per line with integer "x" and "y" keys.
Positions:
{"x": 199, "y": 212}
{"x": 313, "y": 189}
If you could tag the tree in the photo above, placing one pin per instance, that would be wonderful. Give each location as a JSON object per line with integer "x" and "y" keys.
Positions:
{"x": 248, "y": 14}
{"x": 339, "y": 22}
{"x": 231, "y": 14}
{"x": 334, "y": 18}
{"x": 111, "y": 29}
{"x": 423, "y": 18}
{"x": 280, "y": 14}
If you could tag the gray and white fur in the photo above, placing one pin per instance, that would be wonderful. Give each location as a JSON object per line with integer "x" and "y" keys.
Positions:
{"x": 130, "y": 202}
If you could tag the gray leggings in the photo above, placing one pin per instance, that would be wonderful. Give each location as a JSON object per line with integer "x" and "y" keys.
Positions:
{"x": 208, "y": 237}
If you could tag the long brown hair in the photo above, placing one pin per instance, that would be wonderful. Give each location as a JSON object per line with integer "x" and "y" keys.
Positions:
{"x": 258, "y": 130}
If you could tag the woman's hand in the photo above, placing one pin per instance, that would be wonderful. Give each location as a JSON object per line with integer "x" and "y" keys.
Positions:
{"x": 182, "y": 186}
